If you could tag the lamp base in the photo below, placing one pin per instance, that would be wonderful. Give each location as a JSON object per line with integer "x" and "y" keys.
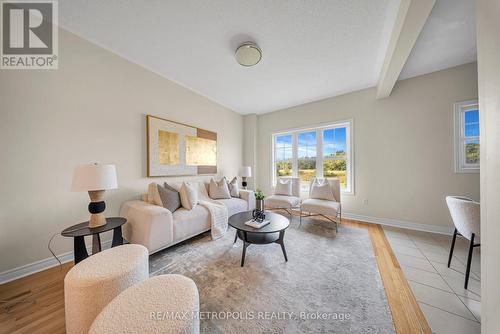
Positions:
{"x": 97, "y": 220}
{"x": 244, "y": 182}
{"x": 96, "y": 208}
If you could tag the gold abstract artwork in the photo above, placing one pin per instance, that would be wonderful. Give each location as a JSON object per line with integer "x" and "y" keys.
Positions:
{"x": 201, "y": 151}
{"x": 168, "y": 148}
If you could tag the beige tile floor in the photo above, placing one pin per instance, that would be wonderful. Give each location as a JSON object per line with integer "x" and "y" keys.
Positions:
{"x": 447, "y": 306}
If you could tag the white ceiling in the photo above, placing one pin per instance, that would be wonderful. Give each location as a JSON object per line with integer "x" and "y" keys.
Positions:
{"x": 311, "y": 49}
{"x": 448, "y": 39}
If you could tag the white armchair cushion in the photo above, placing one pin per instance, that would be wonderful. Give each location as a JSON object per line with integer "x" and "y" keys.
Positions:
{"x": 321, "y": 206}
{"x": 321, "y": 190}
{"x": 283, "y": 187}
{"x": 282, "y": 201}
{"x": 189, "y": 195}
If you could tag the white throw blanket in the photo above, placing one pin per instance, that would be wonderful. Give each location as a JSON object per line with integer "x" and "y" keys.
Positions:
{"x": 218, "y": 217}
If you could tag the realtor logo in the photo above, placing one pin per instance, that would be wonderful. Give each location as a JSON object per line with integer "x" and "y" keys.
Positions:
{"x": 29, "y": 34}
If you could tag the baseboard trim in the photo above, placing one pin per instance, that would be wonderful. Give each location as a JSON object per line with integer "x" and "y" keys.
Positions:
{"x": 447, "y": 230}
{"x": 47, "y": 263}
{"x": 34, "y": 267}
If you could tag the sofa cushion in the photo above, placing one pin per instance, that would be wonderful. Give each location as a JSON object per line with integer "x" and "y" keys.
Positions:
{"x": 234, "y": 188}
{"x": 189, "y": 195}
{"x": 153, "y": 194}
{"x": 281, "y": 201}
{"x": 321, "y": 206}
{"x": 170, "y": 197}
{"x": 219, "y": 189}
{"x": 188, "y": 223}
{"x": 234, "y": 205}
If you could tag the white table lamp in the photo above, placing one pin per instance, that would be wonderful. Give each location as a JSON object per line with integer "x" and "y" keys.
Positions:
{"x": 95, "y": 179}
{"x": 245, "y": 171}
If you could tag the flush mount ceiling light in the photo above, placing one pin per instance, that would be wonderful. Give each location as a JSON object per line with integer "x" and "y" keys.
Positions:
{"x": 248, "y": 54}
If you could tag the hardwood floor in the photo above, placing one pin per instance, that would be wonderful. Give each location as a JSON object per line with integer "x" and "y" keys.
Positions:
{"x": 35, "y": 304}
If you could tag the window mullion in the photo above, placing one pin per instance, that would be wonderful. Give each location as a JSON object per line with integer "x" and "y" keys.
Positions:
{"x": 295, "y": 154}
{"x": 319, "y": 153}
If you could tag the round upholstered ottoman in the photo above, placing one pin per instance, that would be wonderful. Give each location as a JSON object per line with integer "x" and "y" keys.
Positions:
{"x": 91, "y": 284}
{"x": 161, "y": 304}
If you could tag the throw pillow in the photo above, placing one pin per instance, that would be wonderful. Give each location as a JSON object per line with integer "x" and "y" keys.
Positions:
{"x": 234, "y": 188}
{"x": 321, "y": 190}
{"x": 153, "y": 194}
{"x": 219, "y": 190}
{"x": 189, "y": 195}
{"x": 170, "y": 197}
{"x": 283, "y": 187}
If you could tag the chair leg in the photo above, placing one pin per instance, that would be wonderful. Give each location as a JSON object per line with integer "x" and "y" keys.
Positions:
{"x": 452, "y": 246}
{"x": 469, "y": 260}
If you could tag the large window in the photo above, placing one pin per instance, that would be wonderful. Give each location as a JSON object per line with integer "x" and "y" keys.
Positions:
{"x": 467, "y": 137}
{"x": 323, "y": 152}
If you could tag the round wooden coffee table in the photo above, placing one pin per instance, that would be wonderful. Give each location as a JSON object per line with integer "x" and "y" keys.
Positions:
{"x": 274, "y": 232}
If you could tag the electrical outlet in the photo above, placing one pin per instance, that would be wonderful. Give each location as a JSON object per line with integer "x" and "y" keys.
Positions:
{"x": 365, "y": 202}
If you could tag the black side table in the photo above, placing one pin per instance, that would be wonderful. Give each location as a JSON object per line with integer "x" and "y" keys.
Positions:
{"x": 79, "y": 231}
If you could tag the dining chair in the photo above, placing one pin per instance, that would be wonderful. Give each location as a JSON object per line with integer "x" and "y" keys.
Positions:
{"x": 465, "y": 214}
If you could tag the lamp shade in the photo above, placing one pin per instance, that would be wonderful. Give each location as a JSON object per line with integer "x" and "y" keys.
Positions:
{"x": 94, "y": 177}
{"x": 245, "y": 171}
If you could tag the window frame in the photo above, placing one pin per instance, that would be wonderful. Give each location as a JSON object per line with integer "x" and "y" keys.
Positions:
{"x": 348, "y": 124}
{"x": 460, "y": 108}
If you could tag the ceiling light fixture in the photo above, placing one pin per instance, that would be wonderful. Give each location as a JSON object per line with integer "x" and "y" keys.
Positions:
{"x": 248, "y": 54}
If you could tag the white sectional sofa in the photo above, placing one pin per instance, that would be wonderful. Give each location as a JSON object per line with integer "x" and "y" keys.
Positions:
{"x": 157, "y": 228}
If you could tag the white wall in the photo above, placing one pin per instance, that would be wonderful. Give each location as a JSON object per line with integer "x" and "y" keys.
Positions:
{"x": 92, "y": 109}
{"x": 488, "y": 51}
{"x": 403, "y": 146}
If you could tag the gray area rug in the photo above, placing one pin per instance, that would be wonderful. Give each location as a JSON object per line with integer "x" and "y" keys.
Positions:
{"x": 330, "y": 283}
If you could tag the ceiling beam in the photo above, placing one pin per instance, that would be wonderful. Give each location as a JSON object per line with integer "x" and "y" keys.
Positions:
{"x": 410, "y": 20}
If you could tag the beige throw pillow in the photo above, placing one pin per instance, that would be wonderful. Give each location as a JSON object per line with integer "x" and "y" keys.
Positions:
{"x": 219, "y": 190}
{"x": 321, "y": 190}
{"x": 189, "y": 195}
{"x": 153, "y": 194}
{"x": 234, "y": 188}
{"x": 283, "y": 187}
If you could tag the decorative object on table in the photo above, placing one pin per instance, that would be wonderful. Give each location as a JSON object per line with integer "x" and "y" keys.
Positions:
{"x": 95, "y": 179}
{"x": 259, "y": 200}
{"x": 245, "y": 171}
{"x": 466, "y": 216}
{"x": 258, "y": 219}
{"x": 178, "y": 149}
{"x": 273, "y": 232}
{"x": 324, "y": 200}
{"x": 79, "y": 231}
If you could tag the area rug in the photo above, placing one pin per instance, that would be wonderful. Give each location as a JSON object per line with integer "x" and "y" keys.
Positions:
{"x": 330, "y": 284}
